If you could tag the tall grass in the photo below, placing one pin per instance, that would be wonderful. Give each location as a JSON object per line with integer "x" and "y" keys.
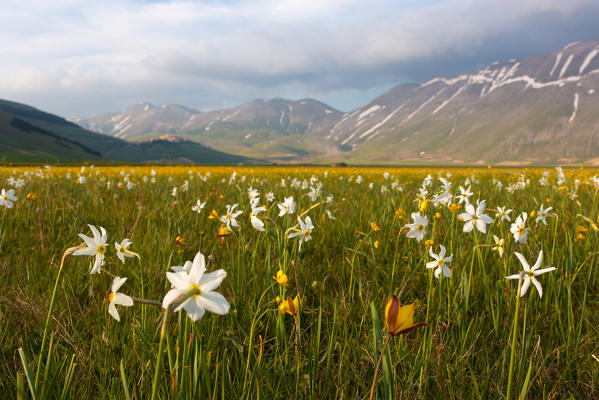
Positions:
{"x": 67, "y": 346}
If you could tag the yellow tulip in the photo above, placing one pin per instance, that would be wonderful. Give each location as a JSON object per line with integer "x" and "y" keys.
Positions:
{"x": 400, "y": 319}
{"x": 289, "y": 306}
{"x": 222, "y": 233}
{"x": 281, "y": 278}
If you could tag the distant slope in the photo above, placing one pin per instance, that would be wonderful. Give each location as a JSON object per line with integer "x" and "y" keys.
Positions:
{"x": 275, "y": 129}
{"x": 22, "y": 142}
{"x": 172, "y": 150}
{"x": 537, "y": 109}
{"x": 61, "y": 126}
{"x": 139, "y": 119}
{"x": 31, "y": 135}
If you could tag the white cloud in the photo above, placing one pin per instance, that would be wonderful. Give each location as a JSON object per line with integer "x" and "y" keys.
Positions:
{"x": 236, "y": 51}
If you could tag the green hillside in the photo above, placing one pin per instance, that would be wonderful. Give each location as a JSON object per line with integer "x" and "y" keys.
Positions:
{"x": 21, "y": 141}
{"x": 181, "y": 152}
{"x": 28, "y": 135}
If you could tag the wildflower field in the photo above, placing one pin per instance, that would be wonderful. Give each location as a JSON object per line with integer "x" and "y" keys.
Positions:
{"x": 289, "y": 283}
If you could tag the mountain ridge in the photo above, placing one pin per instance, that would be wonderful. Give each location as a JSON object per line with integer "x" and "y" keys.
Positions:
{"x": 520, "y": 110}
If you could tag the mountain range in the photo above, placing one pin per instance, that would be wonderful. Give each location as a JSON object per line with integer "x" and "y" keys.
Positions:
{"x": 535, "y": 110}
{"x": 538, "y": 109}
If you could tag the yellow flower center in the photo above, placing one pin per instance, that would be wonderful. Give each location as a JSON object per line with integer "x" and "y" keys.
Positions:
{"x": 306, "y": 233}
{"x": 101, "y": 249}
{"x": 197, "y": 290}
{"x": 521, "y": 230}
{"x": 111, "y": 297}
{"x": 530, "y": 274}
{"x": 420, "y": 227}
{"x": 228, "y": 216}
{"x": 440, "y": 262}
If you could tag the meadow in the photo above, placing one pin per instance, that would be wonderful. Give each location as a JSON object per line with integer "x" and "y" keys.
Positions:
{"x": 303, "y": 310}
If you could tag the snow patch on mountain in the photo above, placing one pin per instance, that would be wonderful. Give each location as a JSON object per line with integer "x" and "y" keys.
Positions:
{"x": 570, "y": 45}
{"x": 453, "y": 96}
{"x": 557, "y": 60}
{"x": 424, "y": 104}
{"x": 575, "y": 106}
{"x": 588, "y": 59}
{"x": 566, "y": 65}
{"x": 369, "y": 111}
{"x": 383, "y": 122}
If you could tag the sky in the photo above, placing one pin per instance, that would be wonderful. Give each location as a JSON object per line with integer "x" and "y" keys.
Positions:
{"x": 78, "y": 58}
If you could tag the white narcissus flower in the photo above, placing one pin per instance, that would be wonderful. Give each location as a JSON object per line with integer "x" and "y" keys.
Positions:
{"x": 256, "y": 222}
{"x": 543, "y": 214}
{"x": 313, "y": 193}
{"x": 499, "y": 243}
{"x": 117, "y": 299}
{"x": 198, "y": 206}
{"x": 230, "y": 218}
{"x": 529, "y": 274}
{"x": 182, "y": 268}
{"x": 287, "y": 207}
{"x": 122, "y": 250}
{"x": 203, "y": 285}
{"x": 440, "y": 262}
{"x": 304, "y": 232}
{"x": 519, "y": 229}
{"x": 418, "y": 227}
{"x": 253, "y": 193}
{"x": 7, "y": 197}
{"x": 95, "y": 246}
{"x": 330, "y": 215}
{"x": 269, "y": 196}
{"x": 475, "y": 217}
{"x": 503, "y": 214}
{"x": 464, "y": 195}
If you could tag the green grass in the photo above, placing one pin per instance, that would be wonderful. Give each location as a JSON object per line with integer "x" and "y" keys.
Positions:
{"x": 343, "y": 278}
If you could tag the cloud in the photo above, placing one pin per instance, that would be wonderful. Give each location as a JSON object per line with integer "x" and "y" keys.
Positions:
{"x": 77, "y": 58}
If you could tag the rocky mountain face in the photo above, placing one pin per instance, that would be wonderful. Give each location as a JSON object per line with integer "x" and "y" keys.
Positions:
{"x": 282, "y": 116}
{"x": 536, "y": 109}
{"x": 139, "y": 119}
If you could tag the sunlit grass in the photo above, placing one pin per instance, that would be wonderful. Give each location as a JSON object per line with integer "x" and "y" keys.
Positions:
{"x": 344, "y": 276}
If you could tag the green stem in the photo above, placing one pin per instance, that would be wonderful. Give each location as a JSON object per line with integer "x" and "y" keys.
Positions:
{"x": 146, "y": 301}
{"x": 378, "y": 364}
{"x": 513, "y": 352}
{"x": 159, "y": 355}
{"x": 176, "y": 303}
{"x": 48, "y": 317}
